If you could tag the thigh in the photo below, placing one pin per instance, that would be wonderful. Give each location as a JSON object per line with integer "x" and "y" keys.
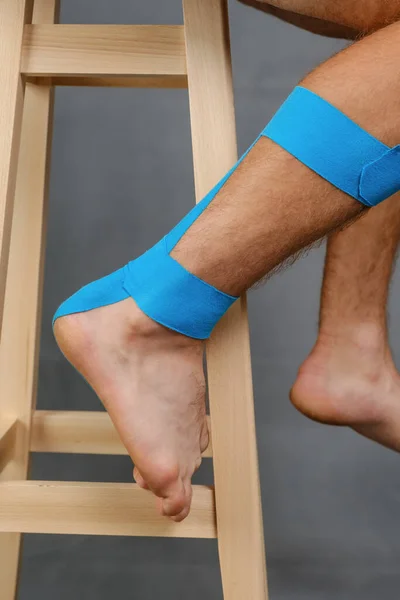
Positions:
{"x": 360, "y": 15}
{"x": 312, "y": 24}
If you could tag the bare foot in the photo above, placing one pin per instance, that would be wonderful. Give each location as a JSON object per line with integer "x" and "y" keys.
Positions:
{"x": 151, "y": 381}
{"x": 350, "y": 379}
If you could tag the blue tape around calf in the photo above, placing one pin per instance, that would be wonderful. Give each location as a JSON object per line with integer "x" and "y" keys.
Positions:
{"x": 331, "y": 144}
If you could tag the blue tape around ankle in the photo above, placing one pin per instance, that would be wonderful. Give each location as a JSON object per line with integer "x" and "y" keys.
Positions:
{"x": 309, "y": 128}
{"x": 335, "y": 147}
{"x": 163, "y": 289}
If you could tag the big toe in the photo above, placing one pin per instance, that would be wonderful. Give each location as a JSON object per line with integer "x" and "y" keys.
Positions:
{"x": 166, "y": 482}
{"x": 186, "y": 510}
{"x": 175, "y": 500}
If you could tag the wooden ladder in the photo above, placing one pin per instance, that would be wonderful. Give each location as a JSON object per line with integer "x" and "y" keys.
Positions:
{"x": 35, "y": 55}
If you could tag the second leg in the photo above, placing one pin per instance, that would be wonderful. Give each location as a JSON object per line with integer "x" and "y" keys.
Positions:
{"x": 350, "y": 377}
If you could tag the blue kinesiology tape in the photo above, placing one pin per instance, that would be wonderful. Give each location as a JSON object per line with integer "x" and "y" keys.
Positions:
{"x": 335, "y": 147}
{"x": 318, "y": 135}
{"x": 163, "y": 289}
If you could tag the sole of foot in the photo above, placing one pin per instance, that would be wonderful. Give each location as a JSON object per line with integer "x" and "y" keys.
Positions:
{"x": 151, "y": 381}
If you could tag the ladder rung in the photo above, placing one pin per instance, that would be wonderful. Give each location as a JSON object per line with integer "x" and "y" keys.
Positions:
{"x": 8, "y": 429}
{"x": 77, "y": 432}
{"x": 98, "y": 509}
{"x": 100, "y": 50}
{"x": 133, "y": 81}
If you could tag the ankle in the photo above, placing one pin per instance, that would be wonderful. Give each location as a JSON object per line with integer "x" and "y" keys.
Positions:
{"x": 368, "y": 339}
{"x": 140, "y": 326}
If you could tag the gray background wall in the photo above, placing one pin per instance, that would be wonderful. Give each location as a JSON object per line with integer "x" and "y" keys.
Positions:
{"x": 121, "y": 177}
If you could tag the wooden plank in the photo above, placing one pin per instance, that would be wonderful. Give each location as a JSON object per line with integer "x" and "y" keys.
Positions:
{"x": 239, "y": 515}
{"x": 99, "y": 50}
{"x": 8, "y": 431}
{"x": 98, "y": 509}
{"x": 13, "y": 14}
{"x": 133, "y": 81}
{"x": 77, "y": 432}
{"x": 7, "y": 424}
{"x": 19, "y": 348}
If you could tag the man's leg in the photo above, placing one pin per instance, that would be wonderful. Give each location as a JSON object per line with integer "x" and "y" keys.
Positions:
{"x": 349, "y": 377}
{"x": 318, "y": 25}
{"x": 360, "y": 15}
{"x": 235, "y": 243}
{"x": 149, "y": 378}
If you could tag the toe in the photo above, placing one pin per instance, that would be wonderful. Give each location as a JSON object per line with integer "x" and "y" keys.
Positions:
{"x": 165, "y": 481}
{"x": 204, "y": 437}
{"x": 186, "y": 510}
{"x": 176, "y": 501}
{"x": 182, "y": 515}
{"x": 139, "y": 479}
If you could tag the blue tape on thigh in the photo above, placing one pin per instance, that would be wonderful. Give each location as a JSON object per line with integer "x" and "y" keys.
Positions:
{"x": 313, "y": 131}
{"x": 335, "y": 147}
